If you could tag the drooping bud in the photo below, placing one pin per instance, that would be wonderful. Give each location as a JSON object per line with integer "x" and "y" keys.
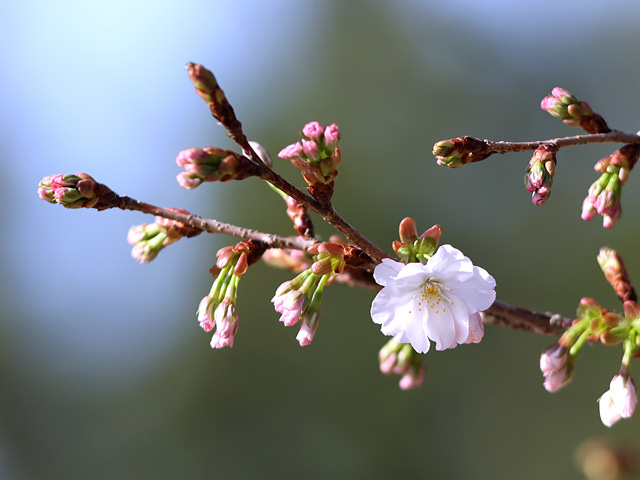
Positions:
{"x": 148, "y": 240}
{"x": 557, "y": 367}
{"x": 218, "y": 309}
{"x": 619, "y": 401}
{"x": 402, "y": 359}
{"x": 562, "y": 104}
{"x": 301, "y": 298}
{"x": 538, "y": 178}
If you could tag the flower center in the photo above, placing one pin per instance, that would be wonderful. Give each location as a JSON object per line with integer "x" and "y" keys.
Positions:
{"x": 433, "y": 295}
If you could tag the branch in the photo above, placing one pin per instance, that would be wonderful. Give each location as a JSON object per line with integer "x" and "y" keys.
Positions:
{"x": 456, "y": 152}
{"x": 208, "y": 89}
{"x": 612, "y": 137}
{"x": 518, "y": 318}
{"x": 214, "y": 226}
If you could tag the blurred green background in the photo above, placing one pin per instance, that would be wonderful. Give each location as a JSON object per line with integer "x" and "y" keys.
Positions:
{"x": 104, "y": 371}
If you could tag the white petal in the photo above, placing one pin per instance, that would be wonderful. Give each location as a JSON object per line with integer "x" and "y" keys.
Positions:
{"x": 412, "y": 276}
{"x": 415, "y": 335}
{"x": 449, "y": 265}
{"x": 608, "y": 412}
{"x": 477, "y": 292}
{"x": 441, "y": 329}
{"x": 387, "y": 269}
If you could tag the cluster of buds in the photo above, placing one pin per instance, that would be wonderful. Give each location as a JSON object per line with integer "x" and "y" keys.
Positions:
{"x": 605, "y": 193}
{"x": 460, "y": 151}
{"x": 212, "y": 164}
{"x": 538, "y": 177}
{"x": 410, "y": 247}
{"x": 149, "y": 239}
{"x": 402, "y": 359}
{"x": 72, "y": 191}
{"x": 594, "y": 324}
{"x": 317, "y": 156}
{"x": 300, "y": 299}
{"x": 573, "y": 112}
{"x": 218, "y": 309}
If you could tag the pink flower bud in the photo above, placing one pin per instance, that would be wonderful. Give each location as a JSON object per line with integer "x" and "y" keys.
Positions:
{"x": 308, "y": 329}
{"x": 226, "y": 319}
{"x": 556, "y": 367}
{"x": 412, "y": 379}
{"x": 311, "y": 149}
{"x": 205, "y": 314}
{"x": 292, "y": 151}
{"x": 289, "y": 305}
{"x": 313, "y": 131}
{"x": 186, "y": 180}
{"x": 332, "y": 135}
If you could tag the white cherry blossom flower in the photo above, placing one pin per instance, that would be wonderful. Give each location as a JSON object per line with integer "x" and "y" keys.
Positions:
{"x": 440, "y": 301}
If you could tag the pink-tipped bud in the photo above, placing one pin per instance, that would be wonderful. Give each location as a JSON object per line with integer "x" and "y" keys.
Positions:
{"x": 205, "y": 314}
{"x": 226, "y": 320}
{"x": 313, "y": 131}
{"x": 308, "y": 329}
{"x": 539, "y": 174}
{"x": 556, "y": 367}
{"x": 311, "y": 150}
{"x": 332, "y": 136}
{"x": 413, "y": 378}
{"x": 292, "y": 151}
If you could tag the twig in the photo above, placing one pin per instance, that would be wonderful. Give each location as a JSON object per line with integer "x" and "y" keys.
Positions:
{"x": 614, "y": 136}
{"x": 214, "y": 226}
{"x": 518, "y": 318}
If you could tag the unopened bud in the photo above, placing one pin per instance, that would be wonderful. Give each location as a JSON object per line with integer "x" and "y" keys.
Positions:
{"x": 408, "y": 231}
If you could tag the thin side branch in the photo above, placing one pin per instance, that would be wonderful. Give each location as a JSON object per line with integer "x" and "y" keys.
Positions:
{"x": 614, "y": 137}
{"x": 518, "y": 318}
{"x": 214, "y": 226}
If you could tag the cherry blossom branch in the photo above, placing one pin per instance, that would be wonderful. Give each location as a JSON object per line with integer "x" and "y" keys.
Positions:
{"x": 611, "y": 137}
{"x": 215, "y": 226}
{"x": 459, "y": 151}
{"x": 208, "y": 89}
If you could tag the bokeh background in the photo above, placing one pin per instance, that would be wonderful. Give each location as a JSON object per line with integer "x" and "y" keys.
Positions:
{"x": 104, "y": 371}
